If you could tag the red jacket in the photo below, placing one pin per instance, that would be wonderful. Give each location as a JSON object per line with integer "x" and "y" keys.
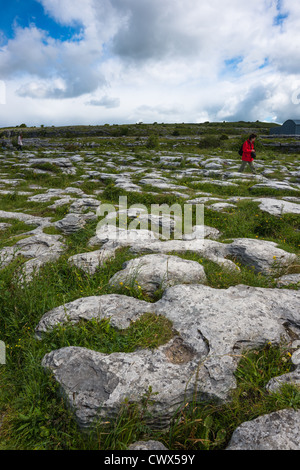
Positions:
{"x": 248, "y": 147}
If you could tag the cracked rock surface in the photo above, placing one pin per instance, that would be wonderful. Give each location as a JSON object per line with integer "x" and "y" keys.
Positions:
{"x": 277, "y": 431}
{"x": 152, "y": 272}
{"x": 213, "y": 327}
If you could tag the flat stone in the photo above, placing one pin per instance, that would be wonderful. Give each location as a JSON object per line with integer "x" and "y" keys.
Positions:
{"x": 152, "y": 272}
{"x": 92, "y": 260}
{"x": 204, "y": 199}
{"x": 219, "y": 183}
{"x": 12, "y": 182}
{"x": 276, "y": 431}
{"x": 71, "y": 223}
{"x": 82, "y": 204}
{"x": 46, "y": 197}
{"x": 27, "y": 218}
{"x": 289, "y": 279}
{"x": 147, "y": 445}
{"x": 213, "y": 166}
{"x": 63, "y": 163}
{"x": 291, "y": 378}
{"x": 277, "y": 185}
{"x": 161, "y": 183}
{"x": 214, "y": 326}
{"x": 261, "y": 255}
{"x": 277, "y": 207}
{"x": 61, "y": 202}
{"x": 209, "y": 249}
{"x": 39, "y": 249}
{"x": 56, "y": 193}
{"x": 221, "y": 206}
{"x": 76, "y": 159}
{"x": 121, "y": 310}
{"x": 107, "y": 232}
{"x": 236, "y": 175}
{"x": 127, "y": 184}
{"x": 18, "y": 193}
{"x": 40, "y": 245}
{"x": 202, "y": 231}
{"x": 292, "y": 199}
{"x": 296, "y": 356}
{"x": 4, "y": 226}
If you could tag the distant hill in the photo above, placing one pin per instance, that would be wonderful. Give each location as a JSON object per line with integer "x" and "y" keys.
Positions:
{"x": 142, "y": 129}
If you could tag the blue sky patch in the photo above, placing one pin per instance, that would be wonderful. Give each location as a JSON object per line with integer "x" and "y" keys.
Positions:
{"x": 281, "y": 16}
{"x": 232, "y": 64}
{"x": 24, "y": 13}
{"x": 230, "y": 67}
{"x": 279, "y": 19}
{"x": 265, "y": 63}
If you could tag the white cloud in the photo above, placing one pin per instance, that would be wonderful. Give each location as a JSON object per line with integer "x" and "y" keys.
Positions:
{"x": 161, "y": 60}
{"x": 2, "y": 92}
{"x": 41, "y": 89}
{"x": 105, "y": 101}
{"x": 32, "y": 52}
{"x": 68, "y": 12}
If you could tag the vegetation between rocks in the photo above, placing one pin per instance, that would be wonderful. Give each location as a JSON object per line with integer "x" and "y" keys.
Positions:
{"x": 33, "y": 413}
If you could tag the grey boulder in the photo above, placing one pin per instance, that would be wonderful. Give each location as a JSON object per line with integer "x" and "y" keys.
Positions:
{"x": 277, "y": 207}
{"x": 276, "y": 431}
{"x": 92, "y": 260}
{"x": 261, "y": 255}
{"x": 147, "y": 445}
{"x": 213, "y": 327}
{"x": 155, "y": 271}
{"x": 120, "y": 309}
{"x": 39, "y": 249}
{"x": 73, "y": 222}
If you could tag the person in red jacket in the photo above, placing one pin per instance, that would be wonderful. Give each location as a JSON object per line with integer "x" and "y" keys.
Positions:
{"x": 248, "y": 153}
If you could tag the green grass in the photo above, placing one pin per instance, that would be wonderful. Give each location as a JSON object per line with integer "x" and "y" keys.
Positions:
{"x": 12, "y": 234}
{"x": 221, "y": 278}
{"x": 33, "y": 413}
{"x": 149, "y": 331}
{"x": 209, "y": 426}
{"x": 34, "y": 405}
{"x": 112, "y": 193}
{"x": 47, "y": 167}
{"x": 248, "y": 221}
{"x": 36, "y": 417}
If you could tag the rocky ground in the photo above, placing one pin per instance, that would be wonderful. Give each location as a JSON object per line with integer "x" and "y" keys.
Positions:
{"x": 55, "y": 194}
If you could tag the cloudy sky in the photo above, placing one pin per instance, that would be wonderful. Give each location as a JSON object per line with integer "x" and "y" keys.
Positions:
{"x": 66, "y": 62}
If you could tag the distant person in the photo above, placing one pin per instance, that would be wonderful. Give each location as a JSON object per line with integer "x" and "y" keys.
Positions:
{"x": 248, "y": 153}
{"x": 20, "y": 142}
